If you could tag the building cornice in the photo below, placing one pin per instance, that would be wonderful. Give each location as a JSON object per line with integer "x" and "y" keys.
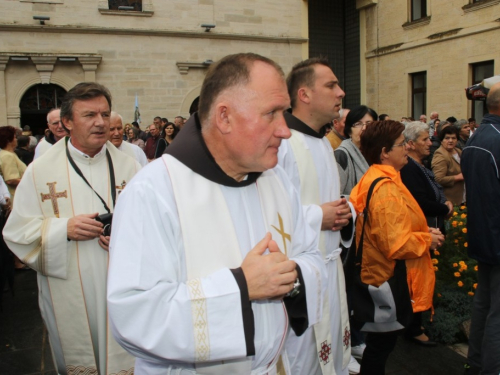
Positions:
{"x": 432, "y": 39}
{"x": 150, "y": 32}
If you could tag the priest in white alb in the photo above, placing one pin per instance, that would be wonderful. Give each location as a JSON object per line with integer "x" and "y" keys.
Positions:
{"x": 211, "y": 259}
{"x": 53, "y": 229}
{"x": 307, "y": 158}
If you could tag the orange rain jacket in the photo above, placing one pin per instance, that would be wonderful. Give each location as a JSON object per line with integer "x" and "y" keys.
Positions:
{"x": 396, "y": 229}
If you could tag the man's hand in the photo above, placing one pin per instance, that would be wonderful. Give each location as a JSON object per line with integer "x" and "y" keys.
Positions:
{"x": 84, "y": 227}
{"x": 104, "y": 242}
{"x": 271, "y": 275}
{"x": 336, "y": 215}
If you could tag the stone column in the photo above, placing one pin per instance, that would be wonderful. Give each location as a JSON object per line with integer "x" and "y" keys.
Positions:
{"x": 44, "y": 66}
{"x": 89, "y": 65}
{"x": 3, "y": 94}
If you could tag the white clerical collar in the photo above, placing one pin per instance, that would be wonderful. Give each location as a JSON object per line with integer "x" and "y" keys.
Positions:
{"x": 84, "y": 156}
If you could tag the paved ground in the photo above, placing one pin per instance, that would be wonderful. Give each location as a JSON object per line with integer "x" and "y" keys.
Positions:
{"x": 24, "y": 348}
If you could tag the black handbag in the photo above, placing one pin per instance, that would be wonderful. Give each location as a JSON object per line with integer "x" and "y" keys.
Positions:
{"x": 385, "y": 308}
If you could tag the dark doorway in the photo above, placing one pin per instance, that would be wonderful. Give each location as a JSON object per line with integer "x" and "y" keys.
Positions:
{"x": 36, "y": 103}
{"x": 334, "y": 33}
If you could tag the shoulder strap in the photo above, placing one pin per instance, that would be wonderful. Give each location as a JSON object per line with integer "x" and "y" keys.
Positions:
{"x": 359, "y": 253}
{"x": 111, "y": 175}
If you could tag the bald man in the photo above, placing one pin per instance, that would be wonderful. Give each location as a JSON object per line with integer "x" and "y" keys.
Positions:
{"x": 480, "y": 167}
{"x": 116, "y": 138}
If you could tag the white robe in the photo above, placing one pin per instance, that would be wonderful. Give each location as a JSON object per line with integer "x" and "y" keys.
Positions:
{"x": 71, "y": 274}
{"x": 302, "y": 351}
{"x": 41, "y": 148}
{"x": 135, "y": 152}
{"x": 147, "y": 282}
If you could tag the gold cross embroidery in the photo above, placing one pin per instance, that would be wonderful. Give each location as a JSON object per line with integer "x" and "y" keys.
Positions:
{"x": 53, "y": 196}
{"x": 281, "y": 231}
{"x": 121, "y": 187}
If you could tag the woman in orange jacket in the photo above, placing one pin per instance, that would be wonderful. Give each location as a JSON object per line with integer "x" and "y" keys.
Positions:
{"x": 397, "y": 229}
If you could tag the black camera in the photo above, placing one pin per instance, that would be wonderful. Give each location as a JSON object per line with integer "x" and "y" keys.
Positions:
{"x": 106, "y": 220}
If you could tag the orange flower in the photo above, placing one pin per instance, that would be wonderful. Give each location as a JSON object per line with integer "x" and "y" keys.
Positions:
{"x": 475, "y": 267}
{"x": 466, "y": 244}
{"x": 434, "y": 261}
{"x": 456, "y": 241}
{"x": 439, "y": 295}
{"x": 474, "y": 285}
{"x": 436, "y": 269}
{"x": 454, "y": 223}
{"x": 463, "y": 216}
{"x": 464, "y": 230}
{"x": 460, "y": 284}
{"x": 436, "y": 253}
{"x": 462, "y": 207}
{"x": 455, "y": 265}
{"x": 470, "y": 293}
{"x": 460, "y": 223}
{"x": 457, "y": 274}
{"x": 455, "y": 213}
{"x": 461, "y": 262}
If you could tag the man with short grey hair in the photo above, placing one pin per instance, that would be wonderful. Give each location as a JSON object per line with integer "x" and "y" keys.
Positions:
{"x": 57, "y": 132}
{"x": 116, "y": 138}
{"x": 336, "y": 136}
{"x": 211, "y": 259}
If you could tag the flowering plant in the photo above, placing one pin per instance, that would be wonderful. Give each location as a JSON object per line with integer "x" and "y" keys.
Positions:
{"x": 451, "y": 262}
{"x": 456, "y": 281}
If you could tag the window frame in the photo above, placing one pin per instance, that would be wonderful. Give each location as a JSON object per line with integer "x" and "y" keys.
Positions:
{"x": 415, "y": 91}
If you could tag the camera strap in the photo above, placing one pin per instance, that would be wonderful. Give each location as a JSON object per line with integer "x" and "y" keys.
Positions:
{"x": 111, "y": 176}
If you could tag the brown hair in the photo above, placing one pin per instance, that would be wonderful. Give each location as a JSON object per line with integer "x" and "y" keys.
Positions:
{"x": 376, "y": 136}
{"x": 228, "y": 72}
{"x": 83, "y": 91}
{"x": 302, "y": 74}
{"x": 7, "y": 134}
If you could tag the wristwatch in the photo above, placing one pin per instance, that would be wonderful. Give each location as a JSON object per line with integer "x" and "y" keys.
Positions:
{"x": 295, "y": 290}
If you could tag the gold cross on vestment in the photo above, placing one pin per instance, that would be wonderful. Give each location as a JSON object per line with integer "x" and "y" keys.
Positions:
{"x": 53, "y": 196}
{"x": 281, "y": 231}
{"x": 121, "y": 187}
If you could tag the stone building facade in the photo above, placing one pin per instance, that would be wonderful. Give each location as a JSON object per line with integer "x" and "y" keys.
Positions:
{"x": 159, "y": 53}
{"x": 418, "y": 56}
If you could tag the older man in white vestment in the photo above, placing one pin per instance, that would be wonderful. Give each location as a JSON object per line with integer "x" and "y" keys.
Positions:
{"x": 54, "y": 230}
{"x": 116, "y": 138}
{"x": 210, "y": 239}
{"x": 56, "y": 133}
{"x": 307, "y": 157}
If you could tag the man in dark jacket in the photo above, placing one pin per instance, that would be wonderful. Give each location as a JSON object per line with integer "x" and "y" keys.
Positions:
{"x": 481, "y": 170}
{"x": 155, "y": 145}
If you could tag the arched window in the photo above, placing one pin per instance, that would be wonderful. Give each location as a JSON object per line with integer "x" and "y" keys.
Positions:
{"x": 36, "y": 102}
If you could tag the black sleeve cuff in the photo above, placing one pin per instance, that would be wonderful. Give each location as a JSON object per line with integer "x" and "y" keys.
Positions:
{"x": 246, "y": 309}
{"x": 346, "y": 232}
{"x": 297, "y": 307}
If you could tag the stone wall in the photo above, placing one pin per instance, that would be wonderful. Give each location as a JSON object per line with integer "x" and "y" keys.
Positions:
{"x": 444, "y": 45}
{"x": 159, "y": 56}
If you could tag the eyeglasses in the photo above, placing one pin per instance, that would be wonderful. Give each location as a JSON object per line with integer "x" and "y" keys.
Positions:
{"x": 361, "y": 123}
{"x": 404, "y": 143}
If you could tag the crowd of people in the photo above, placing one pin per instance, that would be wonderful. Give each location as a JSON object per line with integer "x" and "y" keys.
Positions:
{"x": 215, "y": 245}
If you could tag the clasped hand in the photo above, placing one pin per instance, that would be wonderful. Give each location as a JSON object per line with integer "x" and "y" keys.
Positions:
{"x": 336, "y": 215}
{"x": 84, "y": 227}
{"x": 268, "y": 276}
{"x": 437, "y": 238}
